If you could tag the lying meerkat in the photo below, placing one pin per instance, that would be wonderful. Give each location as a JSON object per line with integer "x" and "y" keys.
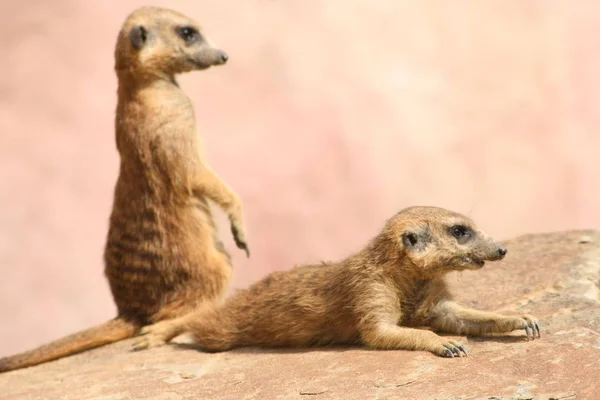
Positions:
{"x": 162, "y": 253}
{"x": 376, "y": 297}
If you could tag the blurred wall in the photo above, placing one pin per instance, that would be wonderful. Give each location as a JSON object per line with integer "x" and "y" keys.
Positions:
{"x": 330, "y": 116}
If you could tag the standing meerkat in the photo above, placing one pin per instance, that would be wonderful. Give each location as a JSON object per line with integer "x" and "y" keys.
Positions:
{"x": 162, "y": 252}
{"x": 377, "y": 297}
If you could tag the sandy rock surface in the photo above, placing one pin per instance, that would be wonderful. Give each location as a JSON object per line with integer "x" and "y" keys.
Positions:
{"x": 553, "y": 276}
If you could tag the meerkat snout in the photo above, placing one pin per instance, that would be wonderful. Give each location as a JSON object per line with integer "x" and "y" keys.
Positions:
{"x": 502, "y": 251}
{"x": 219, "y": 57}
{"x": 496, "y": 252}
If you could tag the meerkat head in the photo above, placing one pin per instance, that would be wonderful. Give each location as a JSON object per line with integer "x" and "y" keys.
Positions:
{"x": 157, "y": 42}
{"x": 437, "y": 241}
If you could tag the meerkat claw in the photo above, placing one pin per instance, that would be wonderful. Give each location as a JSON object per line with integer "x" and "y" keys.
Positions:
{"x": 140, "y": 345}
{"x": 456, "y": 350}
{"x": 239, "y": 241}
{"x": 453, "y": 350}
{"x": 528, "y": 332}
{"x": 448, "y": 354}
{"x": 245, "y": 248}
{"x": 531, "y": 327}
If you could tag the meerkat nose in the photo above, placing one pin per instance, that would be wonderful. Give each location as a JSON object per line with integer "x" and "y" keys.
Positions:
{"x": 224, "y": 57}
{"x": 502, "y": 251}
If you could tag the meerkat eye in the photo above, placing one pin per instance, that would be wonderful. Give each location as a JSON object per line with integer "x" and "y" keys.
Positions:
{"x": 189, "y": 34}
{"x": 460, "y": 232}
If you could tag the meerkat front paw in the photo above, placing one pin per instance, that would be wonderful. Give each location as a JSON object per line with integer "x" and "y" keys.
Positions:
{"x": 527, "y": 322}
{"x": 239, "y": 237}
{"x": 449, "y": 348}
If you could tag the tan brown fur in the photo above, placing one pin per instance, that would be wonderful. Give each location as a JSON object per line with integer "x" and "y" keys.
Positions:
{"x": 162, "y": 254}
{"x": 378, "y": 297}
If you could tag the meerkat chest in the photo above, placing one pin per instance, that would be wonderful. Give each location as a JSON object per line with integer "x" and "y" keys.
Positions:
{"x": 412, "y": 300}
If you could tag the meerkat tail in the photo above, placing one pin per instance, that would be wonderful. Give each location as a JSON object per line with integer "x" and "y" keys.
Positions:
{"x": 213, "y": 328}
{"x": 109, "y": 332}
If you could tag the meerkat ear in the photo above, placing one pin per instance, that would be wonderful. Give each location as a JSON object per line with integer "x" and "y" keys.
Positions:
{"x": 410, "y": 240}
{"x": 138, "y": 36}
{"x": 416, "y": 241}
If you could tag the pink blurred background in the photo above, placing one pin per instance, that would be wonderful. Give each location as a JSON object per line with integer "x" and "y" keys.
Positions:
{"x": 330, "y": 116}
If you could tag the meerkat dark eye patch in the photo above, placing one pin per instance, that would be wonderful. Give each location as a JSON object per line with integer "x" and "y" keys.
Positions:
{"x": 189, "y": 34}
{"x": 416, "y": 241}
{"x": 138, "y": 36}
{"x": 461, "y": 233}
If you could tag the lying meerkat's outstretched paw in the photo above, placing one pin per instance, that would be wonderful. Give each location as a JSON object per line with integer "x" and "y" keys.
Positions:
{"x": 450, "y": 349}
{"x": 240, "y": 238}
{"x": 531, "y": 326}
{"x": 527, "y": 322}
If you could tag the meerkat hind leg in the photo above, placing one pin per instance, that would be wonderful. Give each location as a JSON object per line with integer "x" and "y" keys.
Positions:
{"x": 159, "y": 334}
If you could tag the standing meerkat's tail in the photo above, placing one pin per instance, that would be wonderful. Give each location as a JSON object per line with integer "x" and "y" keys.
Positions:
{"x": 109, "y": 332}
